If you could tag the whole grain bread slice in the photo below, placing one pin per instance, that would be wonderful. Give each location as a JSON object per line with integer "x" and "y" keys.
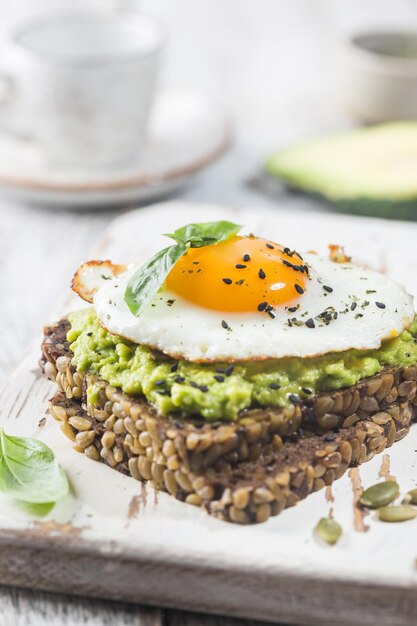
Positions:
{"x": 249, "y": 492}
{"x": 194, "y": 445}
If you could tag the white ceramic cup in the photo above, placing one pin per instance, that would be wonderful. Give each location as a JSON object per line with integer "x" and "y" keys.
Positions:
{"x": 377, "y": 82}
{"x": 81, "y": 84}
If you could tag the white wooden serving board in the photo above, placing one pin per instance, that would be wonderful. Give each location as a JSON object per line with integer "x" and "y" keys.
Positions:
{"x": 113, "y": 538}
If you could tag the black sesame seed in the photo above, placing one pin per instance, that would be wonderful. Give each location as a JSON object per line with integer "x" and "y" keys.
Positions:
{"x": 327, "y": 288}
{"x": 240, "y": 266}
{"x": 225, "y": 325}
{"x": 270, "y": 246}
{"x": 380, "y": 305}
{"x": 219, "y": 378}
{"x": 227, "y": 281}
{"x": 261, "y": 273}
{"x": 229, "y": 370}
{"x": 329, "y": 437}
{"x": 246, "y": 257}
{"x": 291, "y": 265}
{"x": 159, "y": 382}
{"x": 294, "y": 398}
{"x": 174, "y": 367}
{"x": 306, "y": 390}
{"x": 292, "y": 309}
{"x": 179, "y": 379}
{"x": 262, "y": 306}
{"x": 271, "y": 314}
{"x": 203, "y": 388}
{"x": 194, "y": 384}
{"x": 274, "y": 386}
{"x": 353, "y": 306}
{"x": 287, "y": 251}
{"x": 89, "y": 334}
{"x": 335, "y": 315}
{"x": 240, "y": 282}
{"x": 299, "y": 289}
{"x": 162, "y": 392}
{"x": 310, "y": 323}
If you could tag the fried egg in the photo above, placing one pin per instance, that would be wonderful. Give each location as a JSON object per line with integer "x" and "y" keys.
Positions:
{"x": 249, "y": 298}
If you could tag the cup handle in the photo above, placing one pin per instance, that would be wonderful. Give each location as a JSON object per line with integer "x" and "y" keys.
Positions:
{"x": 8, "y": 125}
{"x": 6, "y": 88}
{"x": 6, "y": 96}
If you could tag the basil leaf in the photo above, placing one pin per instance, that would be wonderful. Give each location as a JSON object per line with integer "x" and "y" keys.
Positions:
{"x": 29, "y": 470}
{"x": 36, "y": 509}
{"x": 204, "y": 233}
{"x": 147, "y": 280}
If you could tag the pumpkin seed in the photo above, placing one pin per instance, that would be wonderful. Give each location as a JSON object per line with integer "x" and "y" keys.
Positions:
{"x": 328, "y": 530}
{"x": 399, "y": 513}
{"x": 410, "y": 497}
{"x": 380, "y": 494}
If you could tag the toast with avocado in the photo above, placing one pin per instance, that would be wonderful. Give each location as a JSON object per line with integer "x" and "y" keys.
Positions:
{"x": 234, "y": 372}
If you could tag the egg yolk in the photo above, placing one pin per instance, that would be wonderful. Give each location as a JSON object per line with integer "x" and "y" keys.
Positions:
{"x": 241, "y": 274}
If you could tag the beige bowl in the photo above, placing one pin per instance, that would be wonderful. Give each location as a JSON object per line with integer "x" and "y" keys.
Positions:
{"x": 379, "y": 75}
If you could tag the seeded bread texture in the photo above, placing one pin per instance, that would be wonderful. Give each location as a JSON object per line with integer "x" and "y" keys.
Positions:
{"x": 249, "y": 492}
{"x": 208, "y": 463}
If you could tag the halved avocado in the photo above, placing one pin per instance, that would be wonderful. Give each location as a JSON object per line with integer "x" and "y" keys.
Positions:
{"x": 370, "y": 171}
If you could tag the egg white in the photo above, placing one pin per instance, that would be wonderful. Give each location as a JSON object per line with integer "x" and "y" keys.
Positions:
{"x": 184, "y": 330}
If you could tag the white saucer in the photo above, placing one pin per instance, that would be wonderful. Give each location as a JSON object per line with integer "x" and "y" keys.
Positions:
{"x": 187, "y": 132}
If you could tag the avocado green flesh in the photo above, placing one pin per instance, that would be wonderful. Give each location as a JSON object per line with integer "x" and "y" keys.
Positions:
{"x": 366, "y": 171}
{"x": 192, "y": 389}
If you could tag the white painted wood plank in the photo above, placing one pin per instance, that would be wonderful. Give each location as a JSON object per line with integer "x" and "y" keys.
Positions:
{"x": 191, "y": 560}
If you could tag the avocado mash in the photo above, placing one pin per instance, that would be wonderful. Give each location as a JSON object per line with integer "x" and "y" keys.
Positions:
{"x": 221, "y": 390}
